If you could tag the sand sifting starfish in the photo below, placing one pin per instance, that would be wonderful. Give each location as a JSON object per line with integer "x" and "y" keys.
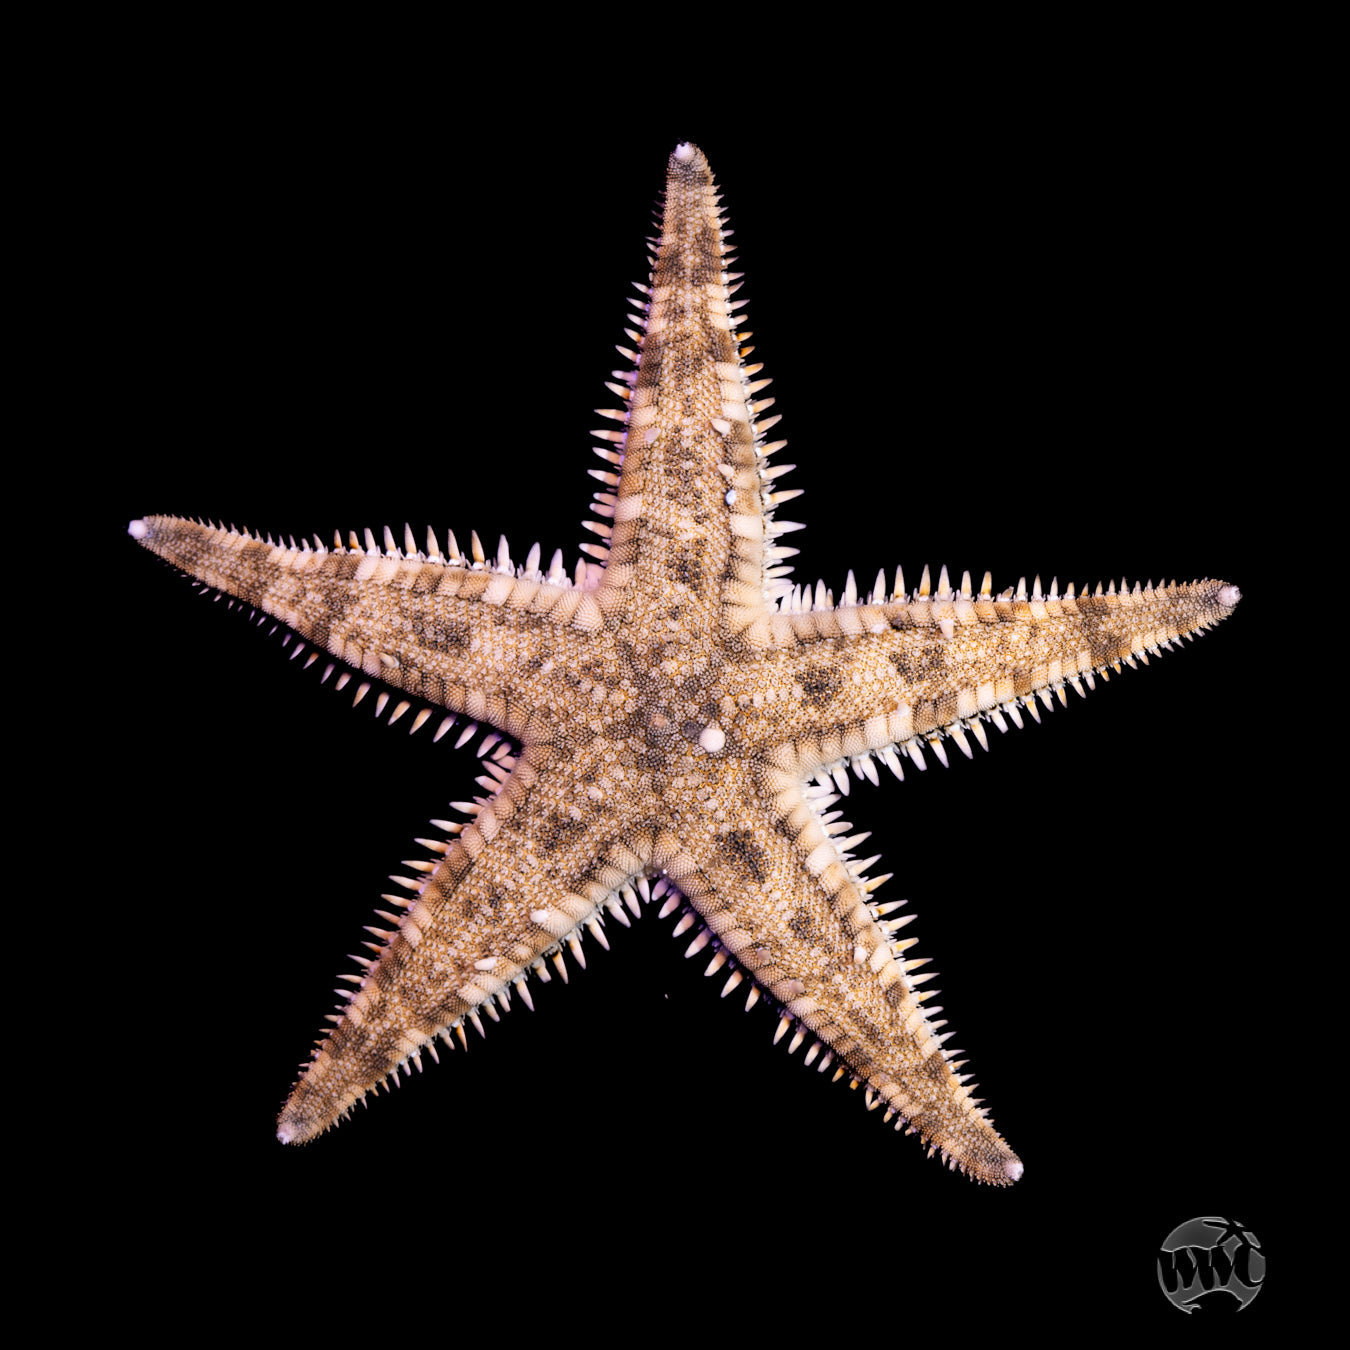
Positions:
{"x": 681, "y": 718}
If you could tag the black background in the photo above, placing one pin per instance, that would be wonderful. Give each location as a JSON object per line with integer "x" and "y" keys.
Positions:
{"x": 1044, "y": 334}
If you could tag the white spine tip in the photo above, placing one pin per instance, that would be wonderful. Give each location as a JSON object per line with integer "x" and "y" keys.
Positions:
{"x": 138, "y": 529}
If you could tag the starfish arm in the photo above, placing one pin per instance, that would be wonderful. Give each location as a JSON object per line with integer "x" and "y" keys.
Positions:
{"x": 761, "y": 868}
{"x": 855, "y": 679}
{"x": 538, "y": 864}
{"x": 488, "y": 642}
{"x": 693, "y": 528}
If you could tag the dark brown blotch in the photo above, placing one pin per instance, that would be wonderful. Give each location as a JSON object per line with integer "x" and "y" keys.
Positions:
{"x": 557, "y": 832}
{"x": 686, "y": 570}
{"x": 935, "y": 1066}
{"x": 917, "y": 662}
{"x": 804, "y": 926}
{"x": 819, "y": 685}
{"x": 741, "y": 846}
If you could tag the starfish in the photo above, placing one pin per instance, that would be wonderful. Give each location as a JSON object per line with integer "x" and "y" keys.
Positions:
{"x": 673, "y": 721}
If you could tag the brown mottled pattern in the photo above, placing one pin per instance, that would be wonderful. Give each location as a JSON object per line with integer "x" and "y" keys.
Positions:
{"x": 670, "y": 717}
{"x": 901, "y": 658}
